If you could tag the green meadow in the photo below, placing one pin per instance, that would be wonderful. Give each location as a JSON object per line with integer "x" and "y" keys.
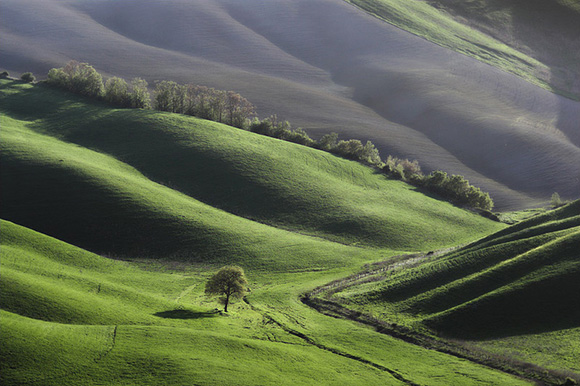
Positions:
{"x": 113, "y": 220}
{"x": 512, "y": 293}
{"x": 72, "y": 317}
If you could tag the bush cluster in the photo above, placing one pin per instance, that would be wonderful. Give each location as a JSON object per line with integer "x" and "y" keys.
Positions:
{"x": 208, "y": 103}
{"x": 281, "y": 130}
{"x": 27, "y": 77}
{"x": 233, "y": 109}
{"x": 83, "y": 79}
{"x": 351, "y": 149}
{"x": 454, "y": 188}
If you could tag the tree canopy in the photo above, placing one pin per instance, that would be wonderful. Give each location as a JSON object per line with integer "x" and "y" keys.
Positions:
{"x": 227, "y": 282}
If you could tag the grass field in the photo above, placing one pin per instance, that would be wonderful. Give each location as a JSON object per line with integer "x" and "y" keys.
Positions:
{"x": 513, "y": 292}
{"x": 92, "y": 176}
{"x": 224, "y": 175}
{"x": 69, "y": 316}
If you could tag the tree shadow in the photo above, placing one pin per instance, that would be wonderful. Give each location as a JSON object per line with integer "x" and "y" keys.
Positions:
{"x": 186, "y": 314}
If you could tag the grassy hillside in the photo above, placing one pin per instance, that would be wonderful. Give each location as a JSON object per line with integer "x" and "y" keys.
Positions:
{"x": 71, "y": 317}
{"x": 518, "y": 285}
{"x": 91, "y": 175}
{"x": 537, "y": 40}
{"x": 200, "y": 190}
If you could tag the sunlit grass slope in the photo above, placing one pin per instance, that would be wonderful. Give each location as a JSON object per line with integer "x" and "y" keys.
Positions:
{"x": 524, "y": 279}
{"x": 93, "y": 200}
{"x": 71, "y": 317}
{"x": 173, "y": 185}
{"x": 547, "y": 30}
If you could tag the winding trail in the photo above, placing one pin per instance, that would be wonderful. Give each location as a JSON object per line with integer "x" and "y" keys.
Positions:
{"x": 332, "y": 350}
{"x": 314, "y": 300}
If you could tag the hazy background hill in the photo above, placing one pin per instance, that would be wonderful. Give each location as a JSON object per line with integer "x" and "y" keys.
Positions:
{"x": 547, "y": 30}
{"x": 326, "y": 66}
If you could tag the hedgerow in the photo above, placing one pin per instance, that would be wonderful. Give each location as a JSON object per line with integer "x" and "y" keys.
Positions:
{"x": 231, "y": 108}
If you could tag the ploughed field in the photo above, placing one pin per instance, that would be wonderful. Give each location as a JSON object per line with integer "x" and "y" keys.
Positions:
{"x": 328, "y": 66}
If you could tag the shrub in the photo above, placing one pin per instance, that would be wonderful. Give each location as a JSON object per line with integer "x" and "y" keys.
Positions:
{"x": 556, "y": 200}
{"x": 298, "y": 136}
{"x": 140, "y": 97}
{"x": 328, "y": 142}
{"x": 117, "y": 92}
{"x": 57, "y": 78}
{"x": 79, "y": 78}
{"x": 4, "y": 75}
{"x": 403, "y": 170}
{"x": 458, "y": 190}
{"x": 84, "y": 79}
{"x": 355, "y": 150}
{"x": 28, "y": 77}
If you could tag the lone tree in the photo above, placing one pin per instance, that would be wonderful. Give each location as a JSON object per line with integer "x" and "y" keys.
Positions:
{"x": 228, "y": 281}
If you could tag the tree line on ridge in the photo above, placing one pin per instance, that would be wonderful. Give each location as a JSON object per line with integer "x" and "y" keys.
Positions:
{"x": 233, "y": 109}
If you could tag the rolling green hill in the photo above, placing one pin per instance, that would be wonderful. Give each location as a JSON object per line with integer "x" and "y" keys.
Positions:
{"x": 71, "y": 317}
{"x": 138, "y": 185}
{"x": 521, "y": 281}
{"x": 168, "y": 185}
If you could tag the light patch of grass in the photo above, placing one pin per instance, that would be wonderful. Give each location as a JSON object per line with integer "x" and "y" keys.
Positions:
{"x": 556, "y": 350}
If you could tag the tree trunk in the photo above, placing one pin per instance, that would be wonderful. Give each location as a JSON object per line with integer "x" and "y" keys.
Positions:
{"x": 227, "y": 301}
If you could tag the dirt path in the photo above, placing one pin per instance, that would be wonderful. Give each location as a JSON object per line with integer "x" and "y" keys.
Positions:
{"x": 319, "y": 299}
{"x": 332, "y": 350}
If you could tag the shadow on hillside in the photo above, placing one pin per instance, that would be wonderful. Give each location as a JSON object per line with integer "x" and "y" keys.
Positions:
{"x": 186, "y": 314}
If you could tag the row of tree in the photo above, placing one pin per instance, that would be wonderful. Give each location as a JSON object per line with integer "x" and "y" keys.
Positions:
{"x": 231, "y": 108}
{"x": 83, "y": 79}
{"x": 454, "y": 188}
{"x": 208, "y": 103}
{"x": 351, "y": 149}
